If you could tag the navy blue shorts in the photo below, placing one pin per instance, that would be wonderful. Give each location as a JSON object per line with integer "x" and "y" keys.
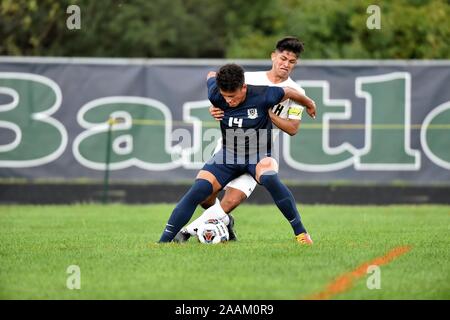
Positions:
{"x": 226, "y": 167}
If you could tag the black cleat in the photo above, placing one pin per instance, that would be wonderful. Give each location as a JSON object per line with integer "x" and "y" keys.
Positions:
{"x": 230, "y": 226}
{"x": 182, "y": 236}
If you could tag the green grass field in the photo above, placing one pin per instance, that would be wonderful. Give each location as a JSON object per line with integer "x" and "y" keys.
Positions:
{"x": 114, "y": 246}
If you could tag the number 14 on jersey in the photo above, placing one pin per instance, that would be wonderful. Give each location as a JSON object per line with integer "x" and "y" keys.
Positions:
{"x": 235, "y": 121}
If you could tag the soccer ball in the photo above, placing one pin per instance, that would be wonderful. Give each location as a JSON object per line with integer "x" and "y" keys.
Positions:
{"x": 213, "y": 231}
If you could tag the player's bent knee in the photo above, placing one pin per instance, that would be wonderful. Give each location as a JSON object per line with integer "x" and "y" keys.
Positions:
{"x": 264, "y": 166}
{"x": 266, "y": 162}
{"x": 208, "y": 176}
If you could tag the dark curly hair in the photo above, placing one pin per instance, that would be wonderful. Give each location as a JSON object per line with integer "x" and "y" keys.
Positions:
{"x": 291, "y": 44}
{"x": 230, "y": 77}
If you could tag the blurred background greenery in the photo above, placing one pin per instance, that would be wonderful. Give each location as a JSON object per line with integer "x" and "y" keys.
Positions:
{"x": 330, "y": 29}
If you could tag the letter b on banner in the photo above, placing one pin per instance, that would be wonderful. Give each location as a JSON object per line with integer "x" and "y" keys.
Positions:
{"x": 29, "y": 136}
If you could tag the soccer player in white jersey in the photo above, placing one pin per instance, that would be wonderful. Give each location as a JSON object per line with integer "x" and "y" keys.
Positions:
{"x": 286, "y": 116}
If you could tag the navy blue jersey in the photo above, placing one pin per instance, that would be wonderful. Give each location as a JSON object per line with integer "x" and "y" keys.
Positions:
{"x": 246, "y": 128}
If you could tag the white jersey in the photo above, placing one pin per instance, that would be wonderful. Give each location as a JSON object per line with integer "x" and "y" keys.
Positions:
{"x": 285, "y": 109}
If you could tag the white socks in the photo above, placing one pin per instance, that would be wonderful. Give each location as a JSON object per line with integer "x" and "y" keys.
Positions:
{"x": 213, "y": 212}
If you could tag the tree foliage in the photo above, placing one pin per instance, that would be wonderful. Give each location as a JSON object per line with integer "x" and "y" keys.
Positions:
{"x": 331, "y": 29}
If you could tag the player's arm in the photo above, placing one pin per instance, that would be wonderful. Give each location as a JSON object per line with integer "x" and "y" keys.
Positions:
{"x": 215, "y": 112}
{"x": 290, "y": 126}
{"x": 301, "y": 99}
{"x": 214, "y": 95}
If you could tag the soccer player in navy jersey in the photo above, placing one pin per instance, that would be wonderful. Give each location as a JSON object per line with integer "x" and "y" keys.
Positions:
{"x": 246, "y": 119}
{"x": 285, "y": 116}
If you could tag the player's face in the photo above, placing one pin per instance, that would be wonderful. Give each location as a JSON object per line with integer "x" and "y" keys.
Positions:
{"x": 283, "y": 63}
{"x": 234, "y": 98}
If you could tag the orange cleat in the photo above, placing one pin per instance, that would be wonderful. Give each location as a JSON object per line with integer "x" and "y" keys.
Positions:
{"x": 304, "y": 238}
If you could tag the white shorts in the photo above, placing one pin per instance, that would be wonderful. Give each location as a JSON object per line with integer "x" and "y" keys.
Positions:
{"x": 245, "y": 183}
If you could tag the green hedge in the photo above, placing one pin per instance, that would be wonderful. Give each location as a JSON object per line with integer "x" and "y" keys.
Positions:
{"x": 331, "y": 29}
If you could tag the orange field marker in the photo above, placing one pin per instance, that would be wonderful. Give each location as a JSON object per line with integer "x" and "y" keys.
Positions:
{"x": 345, "y": 282}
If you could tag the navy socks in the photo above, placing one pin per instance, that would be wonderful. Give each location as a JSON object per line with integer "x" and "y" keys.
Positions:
{"x": 202, "y": 189}
{"x": 283, "y": 199}
{"x": 185, "y": 208}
